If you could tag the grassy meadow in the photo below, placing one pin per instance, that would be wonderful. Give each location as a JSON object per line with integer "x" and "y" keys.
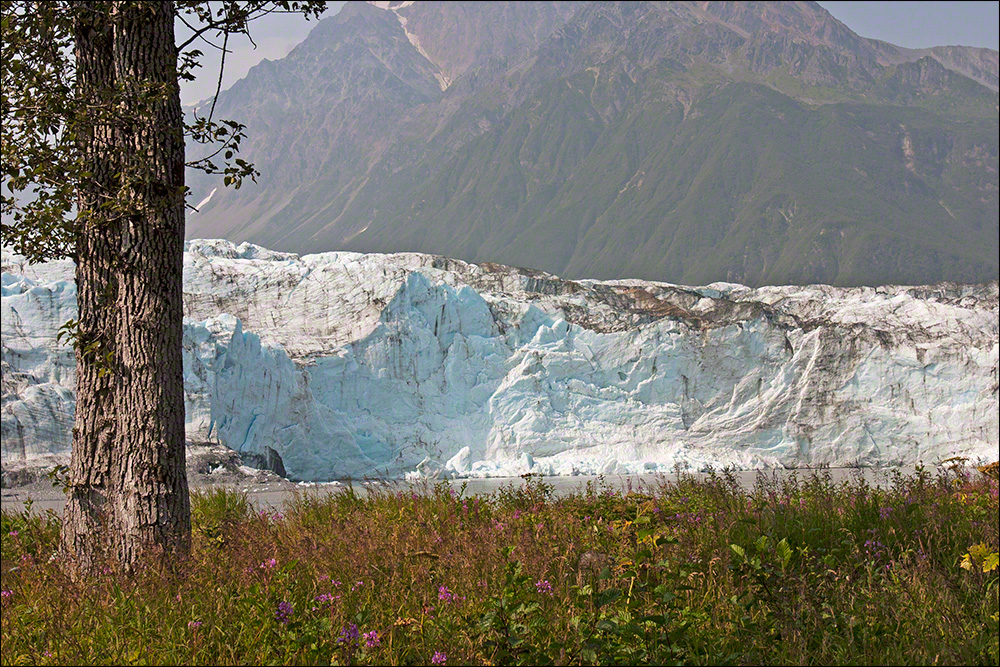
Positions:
{"x": 799, "y": 571}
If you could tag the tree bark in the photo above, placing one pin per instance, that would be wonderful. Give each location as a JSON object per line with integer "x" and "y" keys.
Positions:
{"x": 152, "y": 505}
{"x": 128, "y": 486}
{"x": 88, "y": 508}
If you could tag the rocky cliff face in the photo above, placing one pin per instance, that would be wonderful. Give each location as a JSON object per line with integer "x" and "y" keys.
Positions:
{"x": 347, "y": 364}
{"x": 754, "y": 142}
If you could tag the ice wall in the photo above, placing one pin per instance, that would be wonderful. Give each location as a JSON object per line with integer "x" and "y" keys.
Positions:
{"x": 346, "y": 364}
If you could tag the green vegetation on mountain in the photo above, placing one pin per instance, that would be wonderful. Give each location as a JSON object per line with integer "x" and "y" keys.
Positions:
{"x": 759, "y": 143}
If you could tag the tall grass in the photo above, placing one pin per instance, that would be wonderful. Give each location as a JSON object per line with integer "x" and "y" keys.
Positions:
{"x": 799, "y": 571}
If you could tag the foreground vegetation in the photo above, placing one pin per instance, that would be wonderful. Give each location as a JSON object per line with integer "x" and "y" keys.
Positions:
{"x": 803, "y": 571}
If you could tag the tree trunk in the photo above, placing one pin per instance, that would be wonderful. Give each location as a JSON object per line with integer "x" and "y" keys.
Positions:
{"x": 129, "y": 494}
{"x": 152, "y": 505}
{"x": 87, "y": 516}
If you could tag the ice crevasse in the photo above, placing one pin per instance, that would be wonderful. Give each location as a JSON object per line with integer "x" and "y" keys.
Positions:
{"x": 346, "y": 365}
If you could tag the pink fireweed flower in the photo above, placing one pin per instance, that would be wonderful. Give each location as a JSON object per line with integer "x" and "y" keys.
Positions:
{"x": 447, "y": 595}
{"x": 439, "y": 658}
{"x": 543, "y": 586}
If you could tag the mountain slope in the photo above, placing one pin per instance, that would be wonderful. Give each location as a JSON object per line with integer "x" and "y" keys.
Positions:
{"x": 754, "y": 142}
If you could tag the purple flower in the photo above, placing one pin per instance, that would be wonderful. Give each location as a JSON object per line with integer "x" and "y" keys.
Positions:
{"x": 445, "y": 594}
{"x": 326, "y": 598}
{"x": 543, "y": 586}
{"x": 348, "y": 634}
{"x": 371, "y": 639}
{"x": 439, "y": 658}
{"x": 194, "y": 625}
{"x": 6, "y": 595}
{"x": 517, "y": 514}
{"x": 284, "y": 612}
{"x": 12, "y": 533}
{"x": 269, "y": 564}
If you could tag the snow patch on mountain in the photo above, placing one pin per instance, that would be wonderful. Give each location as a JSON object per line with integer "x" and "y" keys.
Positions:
{"x": 343, "y": 364}
{"x": 394, "y": 7}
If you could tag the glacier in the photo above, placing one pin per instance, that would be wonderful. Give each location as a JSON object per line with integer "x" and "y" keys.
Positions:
{"x": 340, "y": 364}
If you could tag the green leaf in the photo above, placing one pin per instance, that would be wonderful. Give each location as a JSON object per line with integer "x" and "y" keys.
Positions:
{"x": 991, "y": 562}
{"x": 784, "y": 552}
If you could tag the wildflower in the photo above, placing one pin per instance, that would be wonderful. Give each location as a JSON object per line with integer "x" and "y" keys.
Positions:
{"x": 517, "y": 514}
{"x": 326, "y": 598}
{"x": 371, "y": 639}
{"x": 6, "y": 595}
{"x": 543, "y": 586}
{"x": 284, "y": 612}
{"x": 357, "y": 585}
{"x": 447, "y": 595}
{"x": 12, "y": 533}
{"x": 277, "y": 516}
{"x": 348, "y": 634}
{"x": 439, "y": 658}
{"x": 269, "y": 564}
{"x": 194, "y": 625}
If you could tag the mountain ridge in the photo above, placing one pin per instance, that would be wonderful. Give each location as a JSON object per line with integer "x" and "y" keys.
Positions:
{"x": 559, "y": 150}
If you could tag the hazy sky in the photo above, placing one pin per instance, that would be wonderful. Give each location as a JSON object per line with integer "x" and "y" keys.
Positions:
{"x": 911, "y": 24}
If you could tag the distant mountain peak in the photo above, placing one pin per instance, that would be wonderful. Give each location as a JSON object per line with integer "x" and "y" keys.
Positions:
{"x": 755, "y": 142}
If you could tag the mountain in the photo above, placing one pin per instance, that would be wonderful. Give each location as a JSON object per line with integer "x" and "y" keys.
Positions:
{"x": 753, "y": 142}
{"x": 341, "y": 364}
